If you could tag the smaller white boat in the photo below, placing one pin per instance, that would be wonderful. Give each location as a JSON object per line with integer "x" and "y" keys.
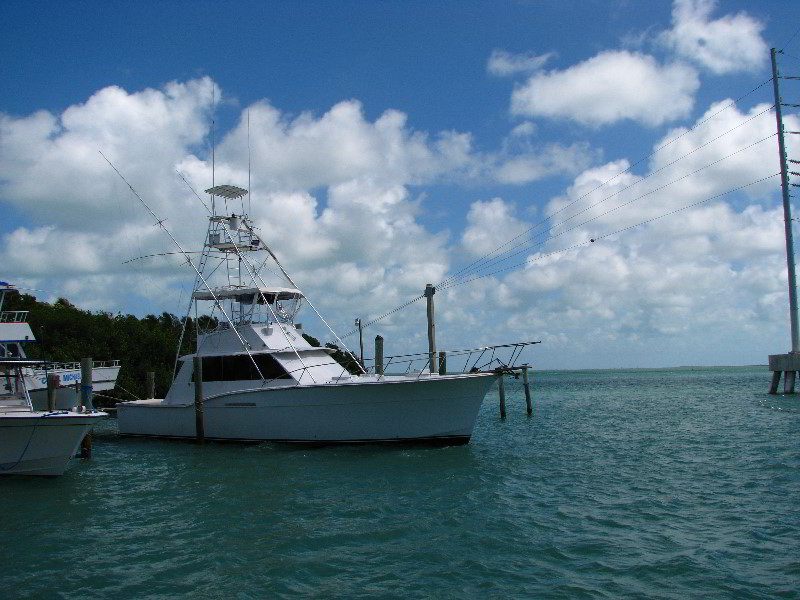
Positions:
{"x": 36, "y": 442}
{"x": 15, "y": 332}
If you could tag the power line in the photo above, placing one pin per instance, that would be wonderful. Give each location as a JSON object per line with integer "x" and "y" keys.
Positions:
{"x": 606, "y": 182}
{"x": 507, "y": 254}
{"x": 790, "y": 39}
{"x": 383, "y": 316}
{"x": 653, "y": 191}
{"x": 605, "y": 235}
{"x": 454, "y": 282}
{"x": 450, "y": 281}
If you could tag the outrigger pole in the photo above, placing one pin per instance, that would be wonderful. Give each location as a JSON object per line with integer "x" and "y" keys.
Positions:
{"x": 253, "y": 274}
{"x": 160, "y": 223}
{"x": 285, "y": 274}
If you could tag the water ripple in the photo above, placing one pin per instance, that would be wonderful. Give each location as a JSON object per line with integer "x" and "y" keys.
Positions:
{"x": 665, "y": 484}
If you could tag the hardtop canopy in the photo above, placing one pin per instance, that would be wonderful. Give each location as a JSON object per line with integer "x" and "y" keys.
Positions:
{"x": 227, "y": 191}
{"x": 246, "y": 294}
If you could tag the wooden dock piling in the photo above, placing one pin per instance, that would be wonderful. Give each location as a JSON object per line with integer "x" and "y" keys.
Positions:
{"x": 502, "y": 386}
{"x": 151, "y": 385}
{"x": 53, "y": 382}
{"x": 198, "y": 400}
{"x": 526, "y": 385}
{"x": 86, "y": 403}
{"x": 378, "y": 355}
{"x": 430, "y": 290}
{"x": 86, "y": 384}
{"x": 442, "y": 363}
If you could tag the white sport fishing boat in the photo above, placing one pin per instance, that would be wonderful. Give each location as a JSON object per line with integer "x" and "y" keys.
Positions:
{"x": 261, "y": 379}
{"x": 15, "y": 332}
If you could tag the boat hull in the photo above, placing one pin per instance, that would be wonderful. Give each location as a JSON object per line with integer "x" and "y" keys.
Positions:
{"x": 433, "y": 409}
{"x": 41, "y": 443}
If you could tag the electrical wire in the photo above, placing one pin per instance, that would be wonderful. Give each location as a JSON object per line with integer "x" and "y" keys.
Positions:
{"x": 453, "y": 280}
{"x": 526, "y": 245}
{"x": 605, "y": 235}
{"x": 608, "y": 181}
{"x": 790, "y": 39}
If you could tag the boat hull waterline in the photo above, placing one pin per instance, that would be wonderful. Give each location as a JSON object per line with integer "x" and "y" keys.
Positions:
{"x": 430, "y": 409}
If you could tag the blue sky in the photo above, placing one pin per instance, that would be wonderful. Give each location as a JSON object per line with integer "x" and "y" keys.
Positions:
{"x": 396, "y": 142}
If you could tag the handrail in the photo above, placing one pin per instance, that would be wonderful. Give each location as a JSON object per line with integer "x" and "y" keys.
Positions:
{"x": 70, "y": 366}
{"x": 516, "y": 350}
{"x": 14, "y": 316}
{"x": 423, "y": 358}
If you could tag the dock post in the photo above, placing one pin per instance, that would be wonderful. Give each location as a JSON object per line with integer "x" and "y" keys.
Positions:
{"x": 53, "y": 382}
{"x": 198, "y": 400}
{"x": 86, "y": 403}
{"x": 502, "y": 397}
{"x": 151, "y": 385}
{"x": 86, "y": 383}
{"x": 378, "y": 355}
{"x": 788, "y": 381}
{"x": 360, "y": 340}
{"x": 429, "y": 292}
{"x": 442, "y": 363}
{"x": 527, "y": 387}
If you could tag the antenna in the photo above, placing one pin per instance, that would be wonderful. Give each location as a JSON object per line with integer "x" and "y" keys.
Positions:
{"x": 249, "y": 189}
{"x": 213, "y": 143}
{"x": 217, "y": 302}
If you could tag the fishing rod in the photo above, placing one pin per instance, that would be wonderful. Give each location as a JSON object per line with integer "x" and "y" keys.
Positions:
{"x": 160, "y": 223}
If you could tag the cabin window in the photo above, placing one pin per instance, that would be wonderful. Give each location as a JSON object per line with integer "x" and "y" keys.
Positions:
{"x": 240, "y": 368}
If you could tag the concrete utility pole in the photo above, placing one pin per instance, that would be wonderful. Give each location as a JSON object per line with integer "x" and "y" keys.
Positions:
{"x": 788, "y": 364}
{"x": 787, "y": 210}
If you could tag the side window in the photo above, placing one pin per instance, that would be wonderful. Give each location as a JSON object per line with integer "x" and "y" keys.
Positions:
{"x": 240, "y": 368}
{"x": 269, "y": 367}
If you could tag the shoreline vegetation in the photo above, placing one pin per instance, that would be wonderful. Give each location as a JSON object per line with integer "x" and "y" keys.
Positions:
{"x": 67, "y": 333}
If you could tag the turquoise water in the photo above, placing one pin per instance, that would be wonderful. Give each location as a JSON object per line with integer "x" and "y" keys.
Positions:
{"x": 669, "y": 484}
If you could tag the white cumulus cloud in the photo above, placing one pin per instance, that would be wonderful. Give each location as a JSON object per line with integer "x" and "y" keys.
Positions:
{"x": 729, "y": 44}
{"x": 610, "y": 87}
{"x": 489, "y": 225}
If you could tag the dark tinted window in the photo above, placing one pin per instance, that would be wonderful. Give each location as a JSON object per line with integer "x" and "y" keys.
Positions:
{"x": 241, "y": 368}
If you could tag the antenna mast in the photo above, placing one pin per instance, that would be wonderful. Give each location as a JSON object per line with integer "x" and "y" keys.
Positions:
{"x": 213, "y": 144}
{"x": 249, "y": 189}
